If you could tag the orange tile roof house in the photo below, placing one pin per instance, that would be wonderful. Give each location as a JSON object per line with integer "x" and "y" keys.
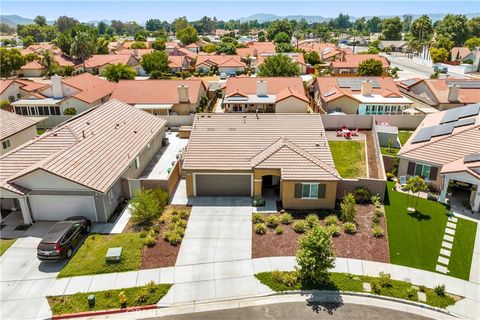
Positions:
{"x": 161, "y": 97}
{"x": 80, "y": 92}
{"x": 348, "y": 63}
{"x": 36, "y": 69}
{"x": 256, "y": 48}
{"x": 261, "y": 154}
{"x": 326, "y": 51}
{"x": 359, "y": 95}
{"x": 222, "y": 63}
{"x": 442, "y": 94}
{"x": 15, "y": 130}
{"x": 446, "y": 148}
{"x": 96, "y": 64}
{"x": 15, "y": 89}
{"x": 296, "y": 57}
{"x": 78, "y": 168}
{"x": 280, "y": 95}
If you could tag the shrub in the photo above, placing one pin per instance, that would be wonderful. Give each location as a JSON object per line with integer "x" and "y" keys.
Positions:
{"x": 440, "y": 290}
{"x": 348, "y": 208}
{"x": 272, "y": 221}
{"x": 376, "y": 219}
{"x": 151, "y": 287}
{"x": 182, "y": 224}
{"x": 390, "y": 176}
{"x": 258, "y": 201}
{"x": 70, "y": 111}
{"x": 375, "y": 287}
{"x": 286, "y": 218}
{"x": 362, "y": 195}
{"x": 331, "y": 220}
{"x": 375, "y": 199}
{"x": 156, "y": 229}
{"x": 289, "y": 279}
{"x": 422, "y": 288}
{"x": 334, "y": 230}
{"x": 300, "y": 227}
{"x": 173, "y": 237}
{"x": 143, "y": 234}
{"x": 183, "y": 214}
{"x": 260, "y": 228}
{"x": 385, "y": 279}
{"x": 350, "y": 228}
{"x": 145, "y": 207}
{"x": 142, "y": 296}
{"x": 411, "y": 293}
{"x": 378, "y": 213}
{"x": 377, "y": 231}
{"x": 312, "y": 220}
{"x": 174, "y": 219}
{"x": 149, "y": 241}
{"x": 258, "y": 217}
{"x": 278, "y": 230}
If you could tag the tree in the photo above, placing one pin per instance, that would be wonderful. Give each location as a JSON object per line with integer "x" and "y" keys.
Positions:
{"x": 187, "y": 35}
{"x": 370, "y": 67}
{"x": 138, "y": 45}
{"x": 131, "y": 27}
{"x": 64, "y": 23}
{"x": 438, "y": 55}
{"x": 155, "y": 63}
{"x": 31, "y": 56}
{"x": 360, "y": 24}
{"x": 5, "y": 28}
{"x": 315, "y": 256}
{"x": 348, "y": 209}
{"x": 118, "y": 26}
{"x": 40, "y": 20}
{"x": 141, "y": 35}
{"x": 442, "y": 41}
{"x": 323, "y": 32}
{"x": 474, "y": 25}
{"x": 158, "y": 44}
{"x": 10, "y": 60}
{"x": 422, "y": 29}
{"x": 407, "y": 22}
{"x": 416, "y": 185}
{"x": 83, "y": 46}
{"x": 226, "y": 48}
{"x": 145, "y": 207}
{"x": 282, "y": 37}
{"x": 27, "y": 41}
{"x": 279, "y": 65}
{"x": 312, "y": 57}
{"x": 455, "y": 28}
{"x": 392, "y": 28}
{"x": 341, "y": 22}
{"x": 209, "y": 48}
{"x": 48, "y": 61}
{"x": 374, "y": 24}
{"x": 120, "y": 71}
{"x": 180, "y": 23}
{"x": 153, "y": 24}
{"x": 102, "y": 27}
{"x": 472, "y": 43}
{"x": 284, "y": 47}
{"x": 278, "y": 26}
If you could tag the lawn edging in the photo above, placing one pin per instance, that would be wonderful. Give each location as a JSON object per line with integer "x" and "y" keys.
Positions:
{"x": 103, "y": 312}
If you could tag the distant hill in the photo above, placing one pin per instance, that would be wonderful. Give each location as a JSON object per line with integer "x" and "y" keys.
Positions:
{"x": 13, "y": 19}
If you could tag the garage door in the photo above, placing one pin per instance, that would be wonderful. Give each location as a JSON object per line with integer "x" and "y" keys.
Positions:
{"x": 223, "y": 185}
{"x": 60, "y": 207}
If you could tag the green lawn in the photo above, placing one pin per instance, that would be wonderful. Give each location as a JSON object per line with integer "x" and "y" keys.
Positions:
{"x": 403, "y": 137}
{"x": 5, "y": 244}
{"x": 349, "y": 158}
{"x": 415, "y": 239}
{"x": 40, "y": 131}
{"x": 90, "y": 258}
{"x": 107, "y": 300}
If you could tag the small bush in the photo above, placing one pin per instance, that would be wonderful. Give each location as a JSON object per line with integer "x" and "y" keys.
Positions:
{"x": 151, "y": 287}
{"x": 362, "y": 195}
{"x": 156, "y": 229}
{"x": 143, "y": 234}
{"x": 331, "y": 220}
{"x": 378, "y": 231}
{"x": 142, "y": 296}
{"x": 260, "y": 228}
{"x": 312, "y": 220}
{"x": 300, "y": 227}
{"x": 378, "y": 213}
{"x": 390, "y": 176}
{"x": 173, "y": 237}
{"x": 289, "y": 279}
{"x": 422, "y": 288}
{"x": 272, "y": 221}
{"x": 278, "y": 230}
{"x": 440, "y": 290}
{"x": 334, "y": 230}
{"x": 286, "y": 218}
{"x": 376, "y": 219}
{"x": 182, "y": 224}
{"x": 385, "y": 279}
{"x": 258, "y": 218}
{"x": 348, "y": 208}
{"x": 375, "y": 287}
{"x": 375, "y": 199}
{"x": 183, "y": 214}
{"x": 175, "y": 219}
{"x": 350, "y": 228}
{"x": 411, "y": 293}
{"x": 149, "y": 241}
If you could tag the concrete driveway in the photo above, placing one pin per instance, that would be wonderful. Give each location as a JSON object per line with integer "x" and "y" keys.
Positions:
{"x": 219, "y": 230}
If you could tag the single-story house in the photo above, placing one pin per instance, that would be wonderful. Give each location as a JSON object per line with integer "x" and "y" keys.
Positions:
{"x": 193, "y": 47}
{"x": 222, "y": 63}
{"x": 161, "y": 97}
{"x": 256, "y": 48}
{"x": 15, "y": 130}
{"x": 272, "y": 94}
{"x": 12, "y": 90}
{"x": 97, "y": 63}
{"x": 79, "y": 168}
{"x": 326, "y": 51}
{"x": 36, "y": 69}
{"x": 359, "y": 95}
{"x": 445, "y": 148}
{"x": 347, "y": 64}
{"x": 296, "y": 57}
{"x": 393, "y": 46}
{"x": 250, "y": 155}
{"x": 177, "y": 63}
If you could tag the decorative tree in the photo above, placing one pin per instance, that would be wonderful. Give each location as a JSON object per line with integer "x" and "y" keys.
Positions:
{"x": 370, "y": 68}
{"x": 279, "y": 65}
{"x": 348, "y": 208}
{"x": 120, "y": 71}
{"x": 416, "y": 185}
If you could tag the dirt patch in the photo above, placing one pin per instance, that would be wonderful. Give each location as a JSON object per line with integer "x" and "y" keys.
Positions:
{"x": 372, "y": 156}
{"x": 363, "y": 245}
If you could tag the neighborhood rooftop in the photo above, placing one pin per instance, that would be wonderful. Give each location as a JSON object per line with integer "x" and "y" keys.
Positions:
{"x": 11, "y": 123}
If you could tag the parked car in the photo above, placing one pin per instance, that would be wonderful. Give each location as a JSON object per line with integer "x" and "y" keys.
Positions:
{"x": 223, "y": 76}
{"x": 440, "y": 68}
{"x": 232, "y": 74}
{"x": 62, "y": 238}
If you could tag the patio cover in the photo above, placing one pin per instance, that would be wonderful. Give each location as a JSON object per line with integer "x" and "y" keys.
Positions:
{"x": 157, "y": 106}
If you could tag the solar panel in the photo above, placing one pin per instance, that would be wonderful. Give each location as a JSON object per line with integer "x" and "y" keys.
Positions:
{"x": 424, "y": 134}
{"x": 451, "y": 115}
{"x": 329, "y": 93}
{"x": 443, "y": 129}
{"x": 355, "y": 83}
{"x": 470, "y": 110}
{"x": 471, "y": 158}
{"x": 471, "y": 84}
{"x": 464, "y": 122}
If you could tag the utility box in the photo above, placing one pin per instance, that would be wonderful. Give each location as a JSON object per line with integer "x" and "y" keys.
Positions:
{"x": 114, "y": 254}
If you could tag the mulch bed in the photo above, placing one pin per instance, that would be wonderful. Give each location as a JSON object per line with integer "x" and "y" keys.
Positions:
{"x": 162, "y": 254}
{"x": 363, "y": 245}
{"x": 372, "y": 157}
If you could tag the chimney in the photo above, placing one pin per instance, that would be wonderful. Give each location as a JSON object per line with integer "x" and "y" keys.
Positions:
{"x": 183, "y": 94}
{"x": 255, "y": 52}
{"x": 342, "y": 55}
{"x": 453, "y": 92}
{"x": 135, "y": 52}
{"x": 366, "y": 89}
{"x": 57, "y": 89}
{"x": 261, "y": 88}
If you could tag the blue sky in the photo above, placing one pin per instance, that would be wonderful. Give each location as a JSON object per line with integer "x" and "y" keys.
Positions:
{"x": 140, "y": 11}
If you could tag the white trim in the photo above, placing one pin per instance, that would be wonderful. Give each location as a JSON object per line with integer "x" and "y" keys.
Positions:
{"x": 222, "y": 174}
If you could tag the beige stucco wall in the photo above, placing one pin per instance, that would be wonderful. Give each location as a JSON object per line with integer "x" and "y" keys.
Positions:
{"x": 346, "y": 104}
{"x": 403, "y": 167}
{"x": 11, "y": 91}
{"x": 291, "y": 105}
{"x": 79, "y": 105}
{"x": 67, "y": 91}
{"x": 257, "y": 179}
{"x": 42, "y": 180}
{"x": 290, "y": 202}
{"x": 20, "y": 138}
{"x": 32, "y": 72}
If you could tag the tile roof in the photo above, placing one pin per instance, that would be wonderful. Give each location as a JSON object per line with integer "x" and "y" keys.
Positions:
{"x": 298, "y": 57}
{"x": 353, "y": 60}
{"x": 325, "y": 50}
{"x": 98, "y": 60}
{"x": 175, "y": 61}
{"x": 185, "y": 52}
{"x": 438, "y": 89}
{"x": 92, "y": 88}
{"x": 220, "y": 60}
{"x": 459, "y": 165}
{"x": 32, "y": 65}
{"x": 11, "y": 123}
{"x": 462, "y": 52}
{"x": 93, "y": 149}
{"x": 26, "y": 85}
{"x": 134, "y": 52}
{"x": 155, "y": 91}
{"x": 294, "y": 143}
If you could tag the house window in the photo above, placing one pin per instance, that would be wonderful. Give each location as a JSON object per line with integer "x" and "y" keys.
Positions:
{"x": 55, "y": 111}
{"x": 5, "y": 144}
{"x": 422, "y": 170}
{"x": 11, "y": 98}
{"x": 19, "y": 95}
{"x": 137, "y": 162}
{"x": 309, "y": 191}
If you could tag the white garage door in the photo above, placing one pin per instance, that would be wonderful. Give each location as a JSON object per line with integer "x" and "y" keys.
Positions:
{"x": 57, "y": 208}
{"x": 228, "y": 70}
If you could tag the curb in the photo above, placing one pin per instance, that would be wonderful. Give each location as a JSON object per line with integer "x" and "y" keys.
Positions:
{"x": 102, "y": 312}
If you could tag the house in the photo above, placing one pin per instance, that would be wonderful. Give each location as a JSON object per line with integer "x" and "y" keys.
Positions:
{"x": 15, "y": 89}
{"x": 256, "y": 48}
{"x": 128, "y": 44}
{"x": 36, "y": 69}
{"x": 80, "y": 92}
{"x": 80, "y": 167}
{"x": 193, "y": 47}
{"x": 137, "y": 53}
{"x": 171, "y": 47}
{"x": 161, "y": 97}
{"x": 15, "y": 130}
{"x": 286, "y": 155}
{"x": 295, "y": 57}
{"x": 39, "y": 49}
{"x": 177, "y": 63}
{"x": 355, "y": 95}
{"x": 279, "y": 94}
{"x": 444, "y": 150}
{"x": 459, "y": 53}
{"x": 221, "y": 63}
{"x": 97, "y": 63}
{"x": 393, "y": 46}
{"x": 470, "y": 60}
{"x": 326, "y": 51}
{"x": 441, "y": 94}
{"x": 348, "y": 63}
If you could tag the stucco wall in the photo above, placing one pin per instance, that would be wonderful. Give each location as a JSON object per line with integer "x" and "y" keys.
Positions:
{"x": 32, "y": 72}
{"x": 375, "y": 186}
{"x": 257, "y": 179}
{"x": 291, "y": 105}
{"x": 290, "y": 202}
{"x": 12, "y": 90}
{"x": 20, "y": 138}
{"x": 346, "y": 104}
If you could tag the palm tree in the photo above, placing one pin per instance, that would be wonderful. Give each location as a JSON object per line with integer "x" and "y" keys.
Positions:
{"x": 48, "y": 61}
{"x": 83, "y": 47}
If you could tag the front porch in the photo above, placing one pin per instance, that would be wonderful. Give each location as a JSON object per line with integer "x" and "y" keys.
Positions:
{"x": 461, "y": 192}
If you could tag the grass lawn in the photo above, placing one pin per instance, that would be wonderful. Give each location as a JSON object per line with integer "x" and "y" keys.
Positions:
{"x": 349, "y": 158}
{"x": 351, "y": 283}
{"x": 415, "y": 239}
{"x": 403, "y": 137}
{"x": 90, "y": 258}
{"x": 107, "y": 300}
{"x": 40, "y": 131}
{"x": 5, "y": 244}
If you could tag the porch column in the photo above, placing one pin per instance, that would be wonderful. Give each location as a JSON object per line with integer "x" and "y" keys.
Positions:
{"x": 443, "y": 194}
{"x": 476, "y": 200}
{"x": 25, "y": 210}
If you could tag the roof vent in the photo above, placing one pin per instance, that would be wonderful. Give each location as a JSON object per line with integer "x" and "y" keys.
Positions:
{"x": 317, "y": 144}
{"x": 117, "y": 125}
{"x": 88, "y": 122}
{"x": 83, "y": 134}
{"x": 134, "y": 131}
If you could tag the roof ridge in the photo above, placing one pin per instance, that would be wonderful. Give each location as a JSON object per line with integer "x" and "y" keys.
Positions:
{"x": 255, "y": 161}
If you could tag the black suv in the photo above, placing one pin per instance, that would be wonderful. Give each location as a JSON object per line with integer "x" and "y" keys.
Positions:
{"x": 62, "y": 238}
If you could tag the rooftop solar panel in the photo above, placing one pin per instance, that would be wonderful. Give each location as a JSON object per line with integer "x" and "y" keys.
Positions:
{"x": 355, "y": 83}
{"x": 470, "y": 84}
{"x": 471, "y": 158}
{"x": 329, "y": 93}
{"x": 470, "y": 110}
{"x": 451, "y": 115}
{"x": 443, "y": 129}
{"x": 464, "y": 122}
{"x": 423, "y": 135}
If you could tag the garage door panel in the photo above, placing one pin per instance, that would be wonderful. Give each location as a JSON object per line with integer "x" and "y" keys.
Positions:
{"x": 223, "y": 185}
{"x": 60, "y": 207}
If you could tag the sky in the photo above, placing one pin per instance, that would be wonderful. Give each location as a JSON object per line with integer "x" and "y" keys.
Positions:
{"x": 140, "y": 11}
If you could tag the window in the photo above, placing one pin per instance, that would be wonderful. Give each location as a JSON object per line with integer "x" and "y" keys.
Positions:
{"x": 6, "y": 144}
{"x": 19, "y": 95}
{"x": 310, "y": 191}
{"x": 422, "y": 170}
{"x": 54, "y": 111}
{"x": 137, "y": 162}
{"x": 11, "y": 98}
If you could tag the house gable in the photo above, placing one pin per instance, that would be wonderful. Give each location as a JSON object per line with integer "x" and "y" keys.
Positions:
{"x": 42, "y": 180}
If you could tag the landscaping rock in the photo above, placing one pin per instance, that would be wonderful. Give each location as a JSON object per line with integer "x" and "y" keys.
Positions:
{"x": 367, "y": 287}
{"x": 422, "y": 297}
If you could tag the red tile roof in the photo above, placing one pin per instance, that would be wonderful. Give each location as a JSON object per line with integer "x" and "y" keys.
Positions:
{"x": 26, "y": 85}
{"x": 353, "y": 60}
{"x": 220, "y": 60}
{"x": 91, "y": 88}
{"x": 98, "y": 60}
{"x": 298, "y": 57}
